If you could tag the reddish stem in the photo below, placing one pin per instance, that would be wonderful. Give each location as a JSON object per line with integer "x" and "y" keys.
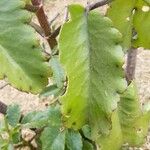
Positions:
{"x": 131, "y": 65}
{"x": 42, "y": 18}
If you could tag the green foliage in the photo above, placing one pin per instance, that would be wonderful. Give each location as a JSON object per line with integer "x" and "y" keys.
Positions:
{"x": 13, "y": 115}
{"x": 42, "y": 118}
{"x": 87, "y": 146}
{"x": 73, "y": 140}
{"x": 123, "y": 20}
{"x": 129, "y": 123}
{"x": 59, "y": 76}
{"x": 142, "y": 24}
{"x": 21, "y": 60}
{"x": 56, "y": 139}
{"x": 10, "y": 128}
{"x": 95, "y": 107}
{"x": 59, "y": 79}
{"x": 93, "y": 59}
{"x": 132, "y": 21}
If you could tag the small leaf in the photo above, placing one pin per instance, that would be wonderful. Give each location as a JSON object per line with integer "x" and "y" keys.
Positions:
{"x": 13, "y": 115}
{"x": 73, "y": 140}
{"x": 53, "y": 139}
{"x": 87, "y": 145}
{"x": 16, "y": 134}
{"x": 52, "y": 90}
{"x": 59, "y": 76}
{"x": 42, "y": 118}
{"x": 86, "y": 131}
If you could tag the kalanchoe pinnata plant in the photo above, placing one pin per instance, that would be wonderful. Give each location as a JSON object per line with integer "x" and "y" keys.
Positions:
{"x": 94, "y": 102}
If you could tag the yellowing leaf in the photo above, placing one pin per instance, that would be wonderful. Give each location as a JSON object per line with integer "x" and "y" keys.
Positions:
{"x": 129, "y": 123}
{"x": 92, "y": 59}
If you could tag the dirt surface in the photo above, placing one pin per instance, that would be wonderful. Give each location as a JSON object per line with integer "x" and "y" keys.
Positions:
{"x": 30, "y": 102}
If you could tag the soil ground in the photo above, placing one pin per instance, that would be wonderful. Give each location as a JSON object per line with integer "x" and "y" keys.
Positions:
{"x": 29, "y": 102}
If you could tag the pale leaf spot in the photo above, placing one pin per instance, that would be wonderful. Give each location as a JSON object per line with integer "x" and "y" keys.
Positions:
{"x": 128, "y": 19}
{"x": 145, "y": 8}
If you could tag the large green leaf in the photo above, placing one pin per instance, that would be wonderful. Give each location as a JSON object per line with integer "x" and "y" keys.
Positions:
{"x": 92, "y": 59}
{"x": 20, "y": 54}
{"x": 129, "y": 123}
{"x": 132, "y": 15}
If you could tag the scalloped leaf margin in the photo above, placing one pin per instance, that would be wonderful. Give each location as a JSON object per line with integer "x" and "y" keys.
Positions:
{"x": 132, "y": 19}
{"x": 21, "y": 60}
{"x": 92, "y": 59}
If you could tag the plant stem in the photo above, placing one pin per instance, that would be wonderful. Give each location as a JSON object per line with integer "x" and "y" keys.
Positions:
{"x": 89, "y": 8}
{"x": 97, "y": 4}
{"x": 131, "y": 65}
{"x": 42, "y": 18}
{"x": 37, "y": 28}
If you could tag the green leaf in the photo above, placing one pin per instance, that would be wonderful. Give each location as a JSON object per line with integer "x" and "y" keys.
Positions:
{"x": 133, "y": 122}
{"x": 36, "y": 119}
{"x": 7, "y": 147}
{"x": 42, "y": 118}
{"x": 21, "y": 58}
{"x": 13, "y": 115}
{"x": 52, "y": 90}
{"x": 92, "y": 59}
{"x": 129, "y": 123}
{"x": 16, "y": 135}
{"x": 87, "y": 145}
{"x": 142, "y": 25}
{"x": 114, "y": 140}
{"x": 87, "y": 131}
{"x": 133, "y": 15}
{"x": 120, "y": 12}
{"x": 73, "y": 140}
{"x": 59, "y": 76}
{"x": 53, "y": 139}
{"x": 147, "y": 1}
